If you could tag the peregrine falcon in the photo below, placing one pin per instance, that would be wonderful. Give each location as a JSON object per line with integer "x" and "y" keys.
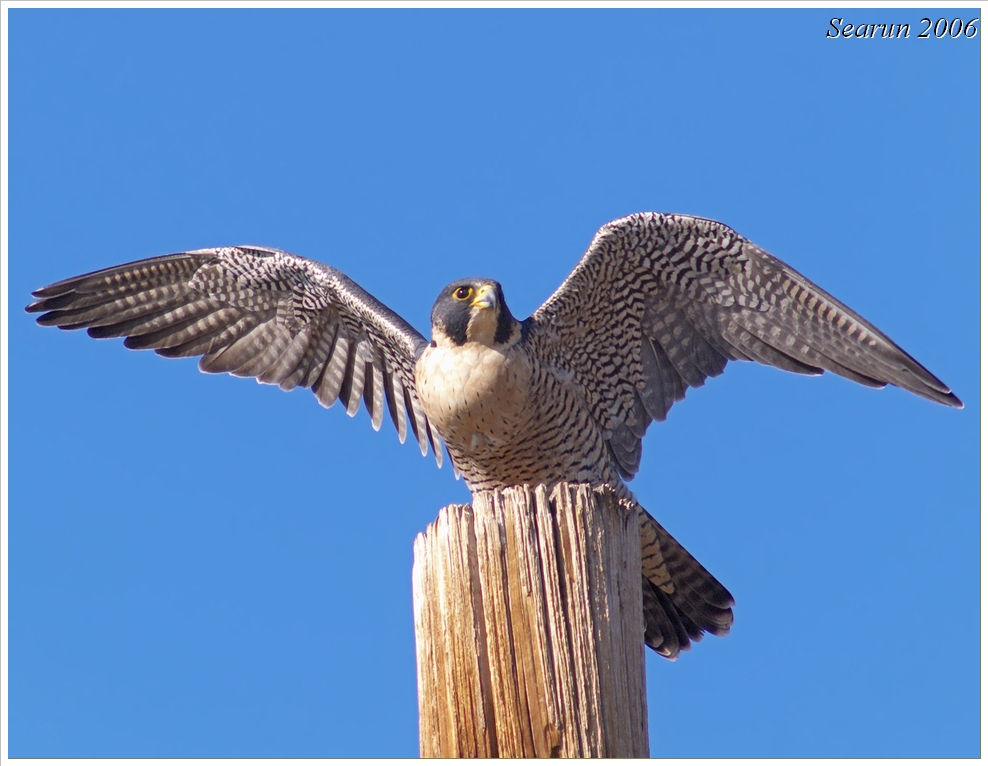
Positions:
{"x": 658, "y": 304}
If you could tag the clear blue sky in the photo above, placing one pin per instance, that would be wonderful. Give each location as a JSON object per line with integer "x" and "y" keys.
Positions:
{"x": 203, "y": 566}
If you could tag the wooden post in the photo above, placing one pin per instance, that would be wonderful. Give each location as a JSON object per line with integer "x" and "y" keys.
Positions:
{"x": 528, "y": 627}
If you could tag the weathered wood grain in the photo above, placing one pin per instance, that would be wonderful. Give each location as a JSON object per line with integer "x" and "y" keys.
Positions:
{"x": 528, "y": 626}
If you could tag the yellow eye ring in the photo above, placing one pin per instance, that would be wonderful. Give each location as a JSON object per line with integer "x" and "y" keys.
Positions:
{"x": 463, "y": 293}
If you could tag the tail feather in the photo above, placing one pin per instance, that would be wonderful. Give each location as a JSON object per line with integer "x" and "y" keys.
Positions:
{"x": 681, "y": 599}
{"x": 664, "y": 628}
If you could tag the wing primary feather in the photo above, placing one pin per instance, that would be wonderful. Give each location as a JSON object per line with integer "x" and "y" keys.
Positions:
{"x": 98, "y": 313}
{"x": 118, "y": 281}
{"x": 203, "y": 335}
{"x": 759, "y": 351}
{"x": 152, "y": 321}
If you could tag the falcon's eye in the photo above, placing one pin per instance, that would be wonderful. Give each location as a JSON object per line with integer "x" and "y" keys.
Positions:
{"x": 462, "y": 293}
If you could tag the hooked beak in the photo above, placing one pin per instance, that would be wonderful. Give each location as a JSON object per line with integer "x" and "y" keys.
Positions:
{"x": 486, "y": 298}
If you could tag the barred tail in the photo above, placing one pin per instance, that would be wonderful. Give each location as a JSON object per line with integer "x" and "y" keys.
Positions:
{"x": 681, "y": 599}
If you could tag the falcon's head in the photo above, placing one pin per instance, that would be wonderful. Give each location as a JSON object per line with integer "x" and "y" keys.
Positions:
{"x": 473, "y": 310}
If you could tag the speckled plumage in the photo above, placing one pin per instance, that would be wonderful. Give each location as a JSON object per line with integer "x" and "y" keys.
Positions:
{"x": 658, "y": 304}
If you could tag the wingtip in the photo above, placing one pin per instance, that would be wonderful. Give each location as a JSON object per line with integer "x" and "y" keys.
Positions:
{"x": 55, "y": 288}
{"x": 945, "y": 397}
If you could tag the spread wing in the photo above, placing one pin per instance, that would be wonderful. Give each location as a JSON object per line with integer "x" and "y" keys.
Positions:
{"x": 659, "y": 303}
{"x": 260, "y": 313}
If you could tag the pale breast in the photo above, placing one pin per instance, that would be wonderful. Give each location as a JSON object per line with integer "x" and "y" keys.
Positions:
{"x": 475, "y": 395}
